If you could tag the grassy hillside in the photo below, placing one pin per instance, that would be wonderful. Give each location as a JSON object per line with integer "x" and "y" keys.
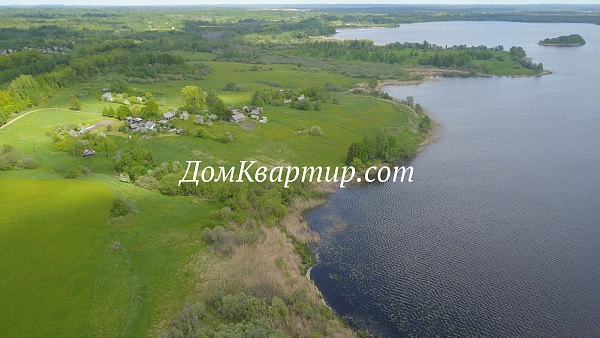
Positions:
{"x": 61, "y": 273}
{"x": 51, "y": 234}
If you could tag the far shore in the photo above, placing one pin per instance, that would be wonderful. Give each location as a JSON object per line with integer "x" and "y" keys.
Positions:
{"x": 562, "y": 45}
{"x": 433, "y": 73}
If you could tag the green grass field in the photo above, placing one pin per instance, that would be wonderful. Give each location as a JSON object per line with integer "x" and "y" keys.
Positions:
{"x": 59, "y": 275}
{"x": 51, "y": 235}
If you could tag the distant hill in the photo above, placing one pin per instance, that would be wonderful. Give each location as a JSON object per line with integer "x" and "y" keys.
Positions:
{"x": 564, "y": 40}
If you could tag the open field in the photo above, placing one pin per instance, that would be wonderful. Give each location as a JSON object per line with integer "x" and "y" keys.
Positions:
{"x": 51, "y": 234}
{"x": 61, "y": 274}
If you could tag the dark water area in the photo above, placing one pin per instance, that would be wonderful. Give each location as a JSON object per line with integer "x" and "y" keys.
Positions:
{"x": 499, "y": 234}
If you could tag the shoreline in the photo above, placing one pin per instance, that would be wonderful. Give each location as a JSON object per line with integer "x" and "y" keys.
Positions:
{"x": 561, "y": 45}
{"x": 326, "y": 190}
{"x": 432, "y": 74}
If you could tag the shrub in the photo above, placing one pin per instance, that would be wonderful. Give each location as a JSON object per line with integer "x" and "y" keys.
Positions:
{"x": 147, "y": 182}
{"x": 315, "y": 131}
{"x": 233, "y": 87}
{"x": 248, "y": 237}
{"x": 121, "y": 206}
{"x": 357, "y": 163}
{"x": 116, "y": 245}
{"x": 77, "y": 171}
{"x": 11, "y": 159}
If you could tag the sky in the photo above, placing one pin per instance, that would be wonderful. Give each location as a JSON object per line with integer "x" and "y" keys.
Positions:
{"x": 275, "y": 2}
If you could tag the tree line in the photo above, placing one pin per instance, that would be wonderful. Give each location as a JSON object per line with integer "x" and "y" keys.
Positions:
{"x": 46, "y": 76}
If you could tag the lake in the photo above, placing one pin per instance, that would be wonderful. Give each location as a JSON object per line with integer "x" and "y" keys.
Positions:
{"x": 499, "y": 234}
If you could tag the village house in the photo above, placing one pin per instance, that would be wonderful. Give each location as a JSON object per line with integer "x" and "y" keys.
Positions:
{"x": 234, "y": 111}
{"x": 288, "y": 101}
{"x": 239, "y": 117}
{"x": 184, "y": 116}
{"x": 149, "y": 125}
{"x": 88, "y": 153}
{"x": 167, "y": 116}
{"x": 300, "y": 98}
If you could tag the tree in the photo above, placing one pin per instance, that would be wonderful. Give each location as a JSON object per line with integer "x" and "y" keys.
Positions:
{"x": 106, "y": 144}
{"x": 373, "y": 83}
{"x": 418, "y": 109}
{"x": 539, "y": 68}
{"x": 123, "y": 112}
{"x": 150, "y": 109}
{"x": 74, "y": 102}
{"x": 517, "y": 52}
{"x": 7, "y": 104}
{"x": 211, "y": 98}
{"x": 148, "y": 96}
{"x": 352, "y": 153}
{"x": 25, "y": 91}
{"x": 192, "y": 98}
{"x": 118, "y": 86}
{"x": 409, "y": 101}
{"x": 221, "y": 110}
{"x": 135, "y": 161}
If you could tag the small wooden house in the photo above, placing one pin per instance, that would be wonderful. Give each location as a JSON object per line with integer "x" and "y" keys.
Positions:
{"x": 88, "y": 153}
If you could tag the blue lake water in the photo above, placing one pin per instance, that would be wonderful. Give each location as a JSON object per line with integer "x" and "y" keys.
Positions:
{"x": 499, "y": 235}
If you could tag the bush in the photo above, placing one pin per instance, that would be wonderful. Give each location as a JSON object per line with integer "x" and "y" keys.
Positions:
{"x": 315, "y": 131}
{"x": 147, "y": 182}
{"x": 233, "y": 87}
{"x": 11, "y": 159}
{"x": 357, "y": 163}
{"x": 248, "y": 237}
{"x": 121, "y": 206}
{"x": 304, "y": 104}
{"x": 77, "y": 171}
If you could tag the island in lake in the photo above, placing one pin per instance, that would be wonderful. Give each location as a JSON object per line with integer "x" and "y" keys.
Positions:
{"x": 564, "y": 40}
